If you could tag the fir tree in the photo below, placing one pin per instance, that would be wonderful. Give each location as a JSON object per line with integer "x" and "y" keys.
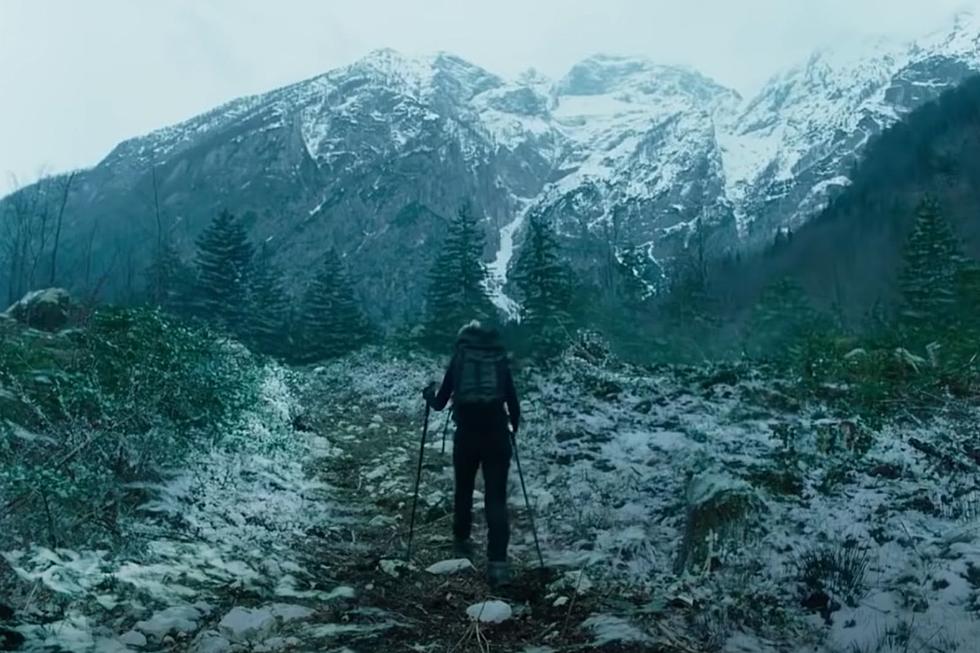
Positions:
{"x": 457, "y": 283}
{"x": 545, "y": 287}
{"x": 269, "y": 327}
{"x": 224, "y": 256}
{"x": 331, "y": 322}
{"x": 928, "y": 279}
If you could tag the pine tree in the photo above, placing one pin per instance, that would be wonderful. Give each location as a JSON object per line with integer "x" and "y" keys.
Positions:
{"x": 224, "y": 257}
{"x": 331, "y": 322}
{"x": 928, "y": 280}
{"x": 269, "y": 329}
{"x": 457, "y": 283}
{"x": 545, "y": 287}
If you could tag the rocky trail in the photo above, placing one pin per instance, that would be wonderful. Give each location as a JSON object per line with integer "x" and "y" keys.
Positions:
{"x": 679, "y": 510}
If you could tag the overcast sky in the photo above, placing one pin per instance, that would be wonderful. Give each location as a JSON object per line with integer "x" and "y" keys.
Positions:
{"x": 78, "y": 77}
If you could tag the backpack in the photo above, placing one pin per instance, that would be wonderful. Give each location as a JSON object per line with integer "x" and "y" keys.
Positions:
{"x": 480, "y": 365}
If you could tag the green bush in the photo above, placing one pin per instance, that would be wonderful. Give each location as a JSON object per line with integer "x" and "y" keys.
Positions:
{"x": 85, "y": 411}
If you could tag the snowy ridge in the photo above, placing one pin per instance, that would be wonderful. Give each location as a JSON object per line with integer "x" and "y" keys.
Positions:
{"x": 620, "y": 148}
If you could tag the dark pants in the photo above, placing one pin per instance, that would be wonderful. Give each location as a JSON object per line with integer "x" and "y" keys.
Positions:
{"x": 489, "y": 448}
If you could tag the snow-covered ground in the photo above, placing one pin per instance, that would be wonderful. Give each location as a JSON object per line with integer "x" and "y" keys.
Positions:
{"x": 685, "y": 509}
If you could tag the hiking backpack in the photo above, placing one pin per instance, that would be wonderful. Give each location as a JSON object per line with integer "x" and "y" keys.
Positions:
{"x": 479, "y": 372}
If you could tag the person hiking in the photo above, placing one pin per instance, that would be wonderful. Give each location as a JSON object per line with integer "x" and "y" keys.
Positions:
{"x": 479, "y": 381}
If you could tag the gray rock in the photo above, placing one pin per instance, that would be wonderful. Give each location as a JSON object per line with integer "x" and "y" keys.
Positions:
{"x": 244, "y": 624}
{"x": 47, "y": 310}
{"x": 178, "y": 619}
{"x": 491, "y": 612}
{"x": 289, "y": 612}
{"x": 133, "y": 638}
{"x": 211, "y": 642}
{"x": 446, "y": 567}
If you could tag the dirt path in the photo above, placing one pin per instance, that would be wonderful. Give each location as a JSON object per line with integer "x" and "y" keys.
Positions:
{"x": 399, "y": 605}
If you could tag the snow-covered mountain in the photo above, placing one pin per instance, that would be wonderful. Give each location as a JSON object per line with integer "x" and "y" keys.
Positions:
{"x": 622, "y": 152}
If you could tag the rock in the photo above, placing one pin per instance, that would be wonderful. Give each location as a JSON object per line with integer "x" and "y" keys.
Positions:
{"x": 133, "y": 638}
{"x": 47, "y": 310}
{"x": 271, "y": 645}
{"x": 491, "y": 612}
{"x": 446, "y": 567}
{"x": 393, "y": 568}
{"x": 211, "y": 642}
{"x": 289, "y": 612}
{"x": 6, "y": 612}
{"x": 244, "y": 624}
{"x": 718, "y": 506}
{"x": 560, "y": 601}
{"x": 178, "y": 619}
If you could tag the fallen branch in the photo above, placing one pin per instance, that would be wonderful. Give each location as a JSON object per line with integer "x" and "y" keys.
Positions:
{"x": 931, "y": 450}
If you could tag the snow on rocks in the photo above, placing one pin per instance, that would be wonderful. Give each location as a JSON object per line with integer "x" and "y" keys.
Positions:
{"x": 448, "y": 567}
{"x": 394, "y": 568}
{"x": 173, "y": 620}
{"x": 491, "y": 612}
{"x": 133, "y": 638}
{"x": 246, "y": 624}
{"x": 232, "y": 519}
{"x": 211, "y": 642}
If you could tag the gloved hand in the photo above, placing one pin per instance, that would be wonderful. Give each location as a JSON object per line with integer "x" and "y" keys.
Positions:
{"x": 429, "y": 391}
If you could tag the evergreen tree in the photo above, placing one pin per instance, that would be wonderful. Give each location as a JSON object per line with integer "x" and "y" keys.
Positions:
{"x": 224, "y": 257}
{"x": 780, "y": 319}
{"x": 331, "y": 322}
{"x": 928, "y": 280}
{"x": 968, "y": 312}
{"x": 690, "y": 314}
{"x": 457, "y": 283}
{"x": 169, "y": 281}
{"x": 785, "y": 328}
{"x": 270, "y": 306}
{"x": 545, "y": 287}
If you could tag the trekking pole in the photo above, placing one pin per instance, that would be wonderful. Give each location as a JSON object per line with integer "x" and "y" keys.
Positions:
{"x": 527, "y": 502}
{"x": 445, "y": 427}
{"x": 418, "y": 479}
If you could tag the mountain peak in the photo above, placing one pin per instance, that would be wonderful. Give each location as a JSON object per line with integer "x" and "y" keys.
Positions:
{"x": 601, "y": 74}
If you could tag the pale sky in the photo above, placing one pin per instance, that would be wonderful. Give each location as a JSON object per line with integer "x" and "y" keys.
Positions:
{"x": 78, "y": 77}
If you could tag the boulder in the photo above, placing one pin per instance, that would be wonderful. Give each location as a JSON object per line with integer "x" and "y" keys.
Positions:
{"x": 46, "y": 310}
{"x": 718, "y": 507}
{"x": 490, "y": 612}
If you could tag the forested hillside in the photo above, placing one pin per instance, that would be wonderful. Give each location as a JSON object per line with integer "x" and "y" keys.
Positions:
{"x": 851, "y": 255}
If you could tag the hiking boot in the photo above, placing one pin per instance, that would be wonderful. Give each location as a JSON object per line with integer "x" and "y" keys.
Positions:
{"x": 463, "y": 549}
{"x": 498, "y": 574}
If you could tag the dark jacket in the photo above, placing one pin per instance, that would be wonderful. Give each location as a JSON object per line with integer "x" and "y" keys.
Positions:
{"x": 475, "y": 416}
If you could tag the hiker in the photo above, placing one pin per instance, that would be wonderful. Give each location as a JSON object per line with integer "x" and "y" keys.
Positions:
{"x": 479, "y": 382}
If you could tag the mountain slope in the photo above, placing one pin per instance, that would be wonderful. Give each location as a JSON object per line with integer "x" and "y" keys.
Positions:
{"x": 621, "y": 152}
{"x": 851, "y": 253}
{"x": 792, "y": 145}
